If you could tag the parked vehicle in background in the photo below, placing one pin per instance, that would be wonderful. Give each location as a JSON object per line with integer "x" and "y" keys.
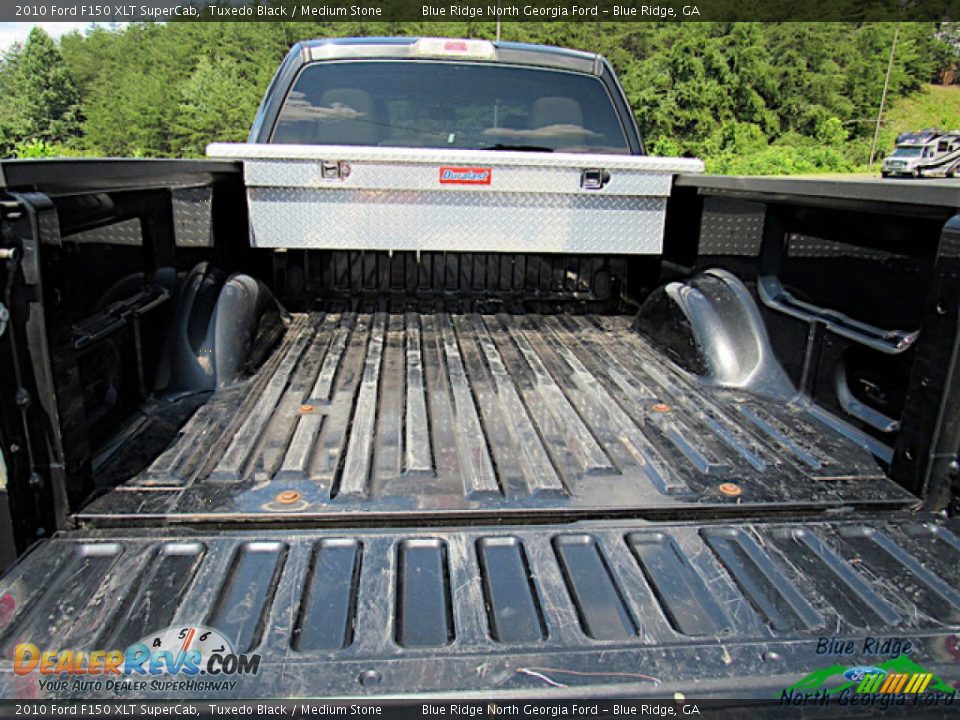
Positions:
{"x": 927, "y": 153}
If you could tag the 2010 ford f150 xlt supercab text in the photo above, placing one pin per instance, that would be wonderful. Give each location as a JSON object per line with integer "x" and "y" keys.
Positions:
{"x": 440, "y": 385}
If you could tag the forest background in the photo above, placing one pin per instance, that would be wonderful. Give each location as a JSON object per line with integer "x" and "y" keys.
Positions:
{"x": 748, "y": 98}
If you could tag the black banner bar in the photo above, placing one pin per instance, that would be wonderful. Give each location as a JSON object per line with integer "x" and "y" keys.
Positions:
{"x": 445, "y": 709}
{"x": 40, "y": 11}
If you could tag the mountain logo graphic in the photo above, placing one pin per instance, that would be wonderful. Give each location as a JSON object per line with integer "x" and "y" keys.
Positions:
{"x": 897, "y": 675}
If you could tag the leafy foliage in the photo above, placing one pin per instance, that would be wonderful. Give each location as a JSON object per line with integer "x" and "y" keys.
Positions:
{"x": 36, "y": 149}
{"x": 38, "y": 99}
{"x": 748, "y": 97}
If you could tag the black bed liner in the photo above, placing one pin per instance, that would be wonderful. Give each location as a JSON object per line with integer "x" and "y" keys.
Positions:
{"x": 392, "y": 415}
{"x": 624, "y": 607}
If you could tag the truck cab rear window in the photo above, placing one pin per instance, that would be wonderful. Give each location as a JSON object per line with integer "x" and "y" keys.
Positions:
{"x": 425, "y": 104}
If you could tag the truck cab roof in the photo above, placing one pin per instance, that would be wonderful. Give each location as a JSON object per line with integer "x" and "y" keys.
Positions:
{"x": 406, "y": 48}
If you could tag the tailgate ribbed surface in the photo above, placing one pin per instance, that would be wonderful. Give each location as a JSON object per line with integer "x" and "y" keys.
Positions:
{"x": 457, "y": 610}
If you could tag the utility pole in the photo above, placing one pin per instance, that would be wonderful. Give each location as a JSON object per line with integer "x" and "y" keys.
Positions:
{"x": 883, "y": 97}
{"x": 498, "y": 20}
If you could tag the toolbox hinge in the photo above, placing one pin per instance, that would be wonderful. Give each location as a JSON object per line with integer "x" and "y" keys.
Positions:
{"x": 331, "y": 170}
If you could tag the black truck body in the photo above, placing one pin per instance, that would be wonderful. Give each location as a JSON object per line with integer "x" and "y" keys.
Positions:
{"x": 481, "y": 474}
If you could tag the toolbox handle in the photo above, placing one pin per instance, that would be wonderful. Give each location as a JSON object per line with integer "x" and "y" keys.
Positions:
{"x": 594, "y": 178}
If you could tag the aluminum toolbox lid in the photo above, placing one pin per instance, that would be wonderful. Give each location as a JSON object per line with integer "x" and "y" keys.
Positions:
{"x": 433, "y": 156}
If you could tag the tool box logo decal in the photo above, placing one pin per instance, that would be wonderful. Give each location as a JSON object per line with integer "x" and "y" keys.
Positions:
{"x": 465, "y": 175}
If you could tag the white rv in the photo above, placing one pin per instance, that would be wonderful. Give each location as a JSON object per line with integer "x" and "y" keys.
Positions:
{"x": 928, "y": 153}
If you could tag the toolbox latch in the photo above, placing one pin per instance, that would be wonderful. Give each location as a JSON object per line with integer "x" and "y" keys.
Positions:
{"x": 594, "y": 178}
{"x": 330, "y": 170}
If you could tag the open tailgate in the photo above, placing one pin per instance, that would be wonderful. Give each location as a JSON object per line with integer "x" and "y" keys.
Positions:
{"x": 605, "y": 608}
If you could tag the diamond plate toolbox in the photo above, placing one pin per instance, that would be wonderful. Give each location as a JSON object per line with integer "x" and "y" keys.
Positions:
{"x": 341, "y": 198}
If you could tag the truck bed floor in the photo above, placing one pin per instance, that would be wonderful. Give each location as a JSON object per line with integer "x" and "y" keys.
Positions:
{"x": 406, "y": 415}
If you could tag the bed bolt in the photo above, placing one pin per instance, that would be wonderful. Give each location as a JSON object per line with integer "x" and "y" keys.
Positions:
{"x": 35, "y": 480}
{"x": 731, "y": 489}
{"x": 661, "y": 408}
{"x": 771, "y": 656}
{"x": 369, "y": 677}
{"x": 953, "y": 469}
{"x": 307, "y": 409}
{"x": 22, "y": 398}
{"x": 288, "y": 497}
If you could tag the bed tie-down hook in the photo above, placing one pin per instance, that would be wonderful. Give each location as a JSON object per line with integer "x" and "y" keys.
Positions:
{"x": 5, "y": 254}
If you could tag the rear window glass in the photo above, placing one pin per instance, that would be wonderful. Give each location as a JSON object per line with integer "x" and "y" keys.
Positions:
{"x": 445, "y": 105}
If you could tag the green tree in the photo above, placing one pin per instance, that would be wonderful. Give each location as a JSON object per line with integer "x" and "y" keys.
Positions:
{"x": 216, "y": 105}
{"x": 746, "y": 96}
{"x": 131, "y": 102}
{"x": 38, "y": 100}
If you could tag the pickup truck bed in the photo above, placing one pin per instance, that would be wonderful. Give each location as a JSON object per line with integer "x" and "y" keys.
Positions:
{"x": 395, "y": 415}
{"x": 438, "y": 486}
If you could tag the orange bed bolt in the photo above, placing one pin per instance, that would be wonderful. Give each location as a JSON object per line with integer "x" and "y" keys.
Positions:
{"x": 731, "y": 489}
{"x": 661, "y": 408}
{"x": 288, "y": 497}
